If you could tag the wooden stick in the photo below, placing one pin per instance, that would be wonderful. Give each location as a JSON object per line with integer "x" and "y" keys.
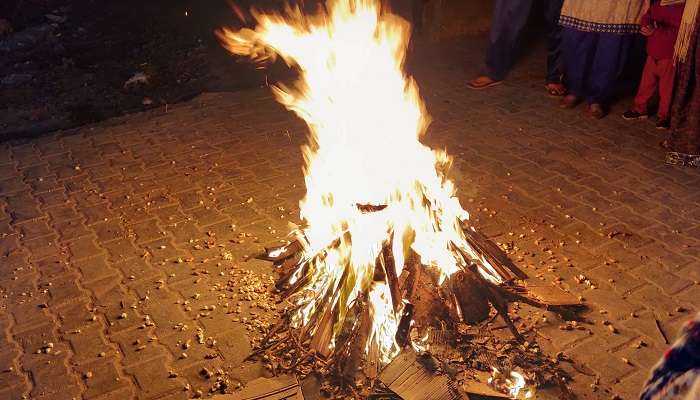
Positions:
{"x": 661, "y": 331}
{"x": 493, "y": 254}
{"x": 392, "y": 279}
{"x": 321, "y": 339}
{"x": 494, "y": 296}
{"x": 411, "y": 284}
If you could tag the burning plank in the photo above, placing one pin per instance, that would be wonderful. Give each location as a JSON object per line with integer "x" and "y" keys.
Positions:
{"x": 493, "y": 254}
{"x": 551, "y": 296}
{"x": 479, "y": 386}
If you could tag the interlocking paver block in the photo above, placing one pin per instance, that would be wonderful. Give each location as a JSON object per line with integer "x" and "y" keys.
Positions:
{"x": 104, "y": 378}
{"x": 152, "y": 378}
{"x": 95, "y": 268}
{"x": 609, "y": 366}
{"x": 53, "y": 380}
{"x": 142, "y": 218}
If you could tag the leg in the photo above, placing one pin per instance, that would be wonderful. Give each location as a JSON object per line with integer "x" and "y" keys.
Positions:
{"x": 553, "y": 29}
{"x": 576, "y": 50}
{"x": 647, "y": 86}
{"x": 609, "y": 59}
{"x": 685, "y": 135}
{"x": 418, "y": 7}
{"x": 509, "y": 17}
{"x": 666, "y": 72}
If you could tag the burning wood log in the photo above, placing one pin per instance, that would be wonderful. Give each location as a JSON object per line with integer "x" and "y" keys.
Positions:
{"x": 493, "y": 254}
{"x": 322, "y": 337}
{"x": 387, "y": 262}
{"x": 471, "y": 297}
{"x": 467, "y": 289}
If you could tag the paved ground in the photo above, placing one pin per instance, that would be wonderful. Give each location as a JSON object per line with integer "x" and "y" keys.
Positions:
{"x": 124, "y": 244}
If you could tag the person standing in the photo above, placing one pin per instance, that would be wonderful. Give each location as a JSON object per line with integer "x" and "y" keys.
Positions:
{"x": 596, "y": 38}
{"x": 660, "y": 25}
{"x": 509, "y": 18}
{"x": 676, "y": 376}
{"x": 684, "y": 142}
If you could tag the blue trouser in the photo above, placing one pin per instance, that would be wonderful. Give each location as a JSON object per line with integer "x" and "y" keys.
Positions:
{"x": 593, "y": 62}
{"x": 509, "y": 18}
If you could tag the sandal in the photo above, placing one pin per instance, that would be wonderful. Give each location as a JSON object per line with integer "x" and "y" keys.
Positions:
{"x": 482, "y": 82}
{"x": 682, "y": 159}
{"x": 555, "y": 89}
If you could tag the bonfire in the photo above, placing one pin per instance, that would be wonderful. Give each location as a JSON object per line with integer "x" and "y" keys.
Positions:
{"x": 386, "y": 256}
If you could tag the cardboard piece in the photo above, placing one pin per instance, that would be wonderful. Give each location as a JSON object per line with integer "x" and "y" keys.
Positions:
{"x": 284, "y": 387}
{"x": 411, "y": 380}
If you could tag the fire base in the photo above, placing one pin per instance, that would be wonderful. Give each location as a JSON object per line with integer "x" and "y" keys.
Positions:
{"x": 445, "y": 328}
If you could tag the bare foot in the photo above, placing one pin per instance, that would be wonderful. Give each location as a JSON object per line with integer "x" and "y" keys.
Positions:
{"x": 596, "y": 111}
{"x": 570, "y": 101}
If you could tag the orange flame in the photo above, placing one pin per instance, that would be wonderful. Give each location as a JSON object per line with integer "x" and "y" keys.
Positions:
{"x": 514, "y": 384}
{"x": 365, "y": 119}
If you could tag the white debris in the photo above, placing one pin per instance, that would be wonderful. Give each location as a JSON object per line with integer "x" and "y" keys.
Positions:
{"x": 139, "y": 78}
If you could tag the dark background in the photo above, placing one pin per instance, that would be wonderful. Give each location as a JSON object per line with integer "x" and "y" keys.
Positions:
{"x": 67, "y": 61}
{"x": 70, "y": 62}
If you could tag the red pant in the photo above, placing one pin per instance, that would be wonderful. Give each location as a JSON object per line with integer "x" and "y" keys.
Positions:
{"x": 657, "y": 74}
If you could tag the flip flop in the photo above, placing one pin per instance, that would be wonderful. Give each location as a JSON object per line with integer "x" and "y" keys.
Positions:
{"x": 555, "y": 89}
{"x": 482, "y": 82}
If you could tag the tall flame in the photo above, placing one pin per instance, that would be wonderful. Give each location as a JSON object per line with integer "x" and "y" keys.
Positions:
{"x": 365, "y": 119}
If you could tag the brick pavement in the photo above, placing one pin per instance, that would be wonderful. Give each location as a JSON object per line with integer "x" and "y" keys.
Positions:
{"x": 122, "y": 243}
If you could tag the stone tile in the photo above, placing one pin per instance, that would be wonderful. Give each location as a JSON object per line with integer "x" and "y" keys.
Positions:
{"x": 83, "y": 248}
{"x": 63, "y": 290}
{"x": 108, "y": 291}
{"x": 184, "y": 231}
{"x": 122, "y": 249}
{"x": 608, "y": 365}
{"x": 152, "y": 378}
{"x": 71, "y": 230}
{"x": 654, "y": 299}
{"x": 107, "y": 231}
{"x": 105, "y": 377}
{"x": 146, "y": 231}
{"x": 53, "y": 380}
{"x": 89, "y": 344}
{"x": 657, "y": 274}
{"x": 135, "y": 346}
{"x": 43, "y": 247}
{"x": 95, "y": 268}
{"x": 234, "y": 345}
{"x": 73, "y": 316}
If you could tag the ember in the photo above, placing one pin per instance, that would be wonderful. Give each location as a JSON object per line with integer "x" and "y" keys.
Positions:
{"x": 386, "y": 252}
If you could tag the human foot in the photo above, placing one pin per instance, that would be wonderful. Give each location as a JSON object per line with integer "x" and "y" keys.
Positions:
{"x": 632, "y": 115}
{"x": 663, "y": 124}
{"x": 570, "y": 101}
{"x": 482, "y": 82}
{"x": 596, "y": 111}
{"x": 555, "y": 89}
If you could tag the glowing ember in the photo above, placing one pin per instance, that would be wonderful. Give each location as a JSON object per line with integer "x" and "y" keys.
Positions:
{"x": 370, "y": 182}
{"x": 514, "y": 384}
